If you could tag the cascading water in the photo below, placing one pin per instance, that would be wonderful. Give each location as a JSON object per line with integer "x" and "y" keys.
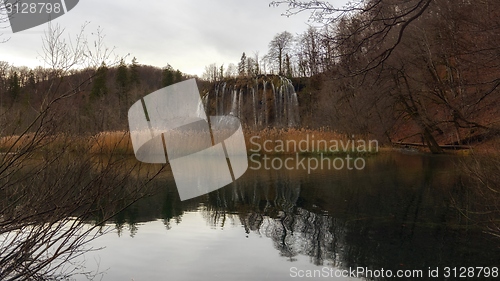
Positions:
{"x": 264, "y": 105}
{"x": 240, "y": 103}
{"x": 234, "y": 106}
{"x": 259, "y": 102}
{"x": 254, "y": 107}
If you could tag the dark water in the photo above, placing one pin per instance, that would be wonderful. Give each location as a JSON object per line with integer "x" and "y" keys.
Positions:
{"x": 398, "y": 215}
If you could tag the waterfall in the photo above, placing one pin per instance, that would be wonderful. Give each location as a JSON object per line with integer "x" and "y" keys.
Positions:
{"x": 200, "y": 111}
{"x": 266, "y": 100}
{"x": 216, "y": 100}
{"x": 276, "y": 112}
{"x": 293, "y": 110}
{"x": 264, "y": 104}
{"x": 240, "y": 103}
{"x": 205, "y": 102}
{"x": 234, "y": 106}
{"x": 254, "y": 107}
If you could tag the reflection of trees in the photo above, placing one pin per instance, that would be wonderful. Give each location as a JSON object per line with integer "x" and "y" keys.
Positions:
{"x": 273, "y": 211}
{"x": 398, "y": 214}
{"x": 391, "y": 217}
{"x": 164, "y": 204}
{"x": 482, "y": 187}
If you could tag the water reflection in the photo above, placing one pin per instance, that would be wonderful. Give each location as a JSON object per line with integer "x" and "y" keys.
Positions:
{"x": 396, "y": 214}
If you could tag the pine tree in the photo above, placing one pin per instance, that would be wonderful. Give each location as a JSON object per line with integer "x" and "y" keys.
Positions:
{"x": 122, "y": 84}
{"x": 134, "y": 73}
{"x": 242, "y": 67}
{"x": 288, "y": 66}
{"x": 178, "y": 76}
{"x": 256, "y": 68}
{"x": 122, "y": 79}
{"x": 99, "y": 87}
{"x": 14, "y": 86}
{"x": 221, "y": 72}
{"x": 168, "y": 76}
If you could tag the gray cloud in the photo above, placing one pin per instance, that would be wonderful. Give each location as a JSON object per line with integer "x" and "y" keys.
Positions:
{"x": 187, "y": 34}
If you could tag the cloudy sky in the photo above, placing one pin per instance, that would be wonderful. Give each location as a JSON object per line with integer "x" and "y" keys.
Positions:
{"x": 188, "y": 34}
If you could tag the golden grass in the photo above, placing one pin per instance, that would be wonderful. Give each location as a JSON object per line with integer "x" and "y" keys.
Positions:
{"x": 14, "y": 143}
{"x": 119, "y": 142}
{"x": 303, "y": 141}
{"x": 102, "y": 143}
{"x": 40, "y": 142}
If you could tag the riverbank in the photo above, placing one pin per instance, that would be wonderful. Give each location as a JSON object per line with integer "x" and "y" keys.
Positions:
{"x": 269, "y": 141}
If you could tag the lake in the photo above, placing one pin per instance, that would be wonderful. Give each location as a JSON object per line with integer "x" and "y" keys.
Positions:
{"x": 402, "y": 214}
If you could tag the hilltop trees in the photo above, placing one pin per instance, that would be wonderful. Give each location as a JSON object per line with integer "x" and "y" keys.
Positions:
{"x": 14, "y": 87}
{"x": 51, "y": 188}
{"x": 304, "y": 55}
{"x": 171, "y": 76}
{"x": 419, "y": 71}
{"x": 416, "y": 70}
{"x": 242, "y": 65}
{"x": 279, "y": 48}
{"x": 99, "y": 88}
{"x": 134, "y": 72}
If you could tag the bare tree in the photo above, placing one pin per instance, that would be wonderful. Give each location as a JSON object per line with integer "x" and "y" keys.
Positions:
{"x": 373, "y": 22}
{"x": 231, "y": 71}
{"x": 278, "y": 48}
{"x": 54, "y": 195}
{"x": 309, "y": 52}
{"x": 211, "y": 72}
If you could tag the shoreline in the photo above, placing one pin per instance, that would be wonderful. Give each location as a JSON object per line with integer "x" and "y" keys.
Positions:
{"x": 269, "y": 141}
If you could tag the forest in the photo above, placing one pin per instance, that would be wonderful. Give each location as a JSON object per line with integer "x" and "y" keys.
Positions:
{"x": 415, "y": 72}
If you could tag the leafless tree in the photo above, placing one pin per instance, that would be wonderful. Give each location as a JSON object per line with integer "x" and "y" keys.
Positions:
{"x": 377, "y": 27}
{"x": 211, "y": 73}
{"x": 54, "y": 195}
{"x": 279, "y": 47}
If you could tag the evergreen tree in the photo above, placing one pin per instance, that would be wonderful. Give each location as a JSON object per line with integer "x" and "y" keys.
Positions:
{"x": 134, "y": 73}
{"x": 221, "y": 72}
{"x": 242, "y": 67}
{"x": 14, "y": 86}
{"x": 168, "y": 76}
{"x": 31, "y": 80}
{"x": 99, "y": 87}
{"x": 250, "y": 67}
{"x": 256, "y": 68}
{"x": 122, "y": 84}
{"x": 122, "y": 79}
{"x": 288, "y": 66}
{"x": 178, "y": 76}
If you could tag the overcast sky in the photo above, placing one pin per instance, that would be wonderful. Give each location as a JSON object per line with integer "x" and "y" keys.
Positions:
{"x": 188, "y": 34}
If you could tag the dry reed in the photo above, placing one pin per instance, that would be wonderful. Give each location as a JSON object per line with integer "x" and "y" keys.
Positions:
{"x": 119, "y": 142}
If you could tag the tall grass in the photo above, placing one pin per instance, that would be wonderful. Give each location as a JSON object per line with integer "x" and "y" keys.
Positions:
{"x": 119, "y": 142}
{"x": 302, "y": 141}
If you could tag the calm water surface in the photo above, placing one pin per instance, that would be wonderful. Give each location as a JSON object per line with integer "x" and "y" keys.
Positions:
{"x": 399, "y": 213}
